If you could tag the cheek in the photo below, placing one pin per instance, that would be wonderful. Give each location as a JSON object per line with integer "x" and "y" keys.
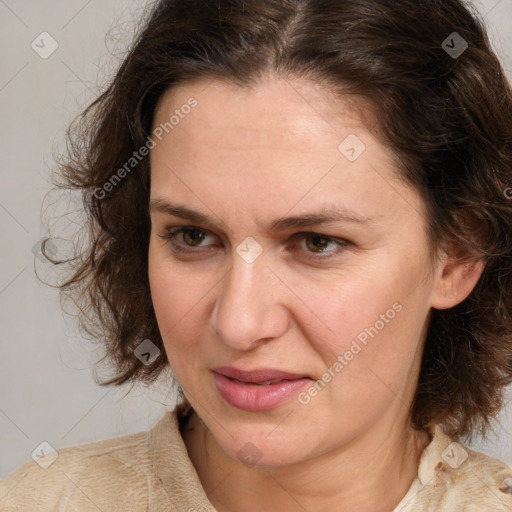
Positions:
{"x": 369, "y": 318}
{"x": 171, "y": 291}
{"x": 178, "y": 297}
{"x": 347, "y": 304}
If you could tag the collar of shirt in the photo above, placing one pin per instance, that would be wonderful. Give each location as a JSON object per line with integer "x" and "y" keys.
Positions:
{"x": 449, "y": 474}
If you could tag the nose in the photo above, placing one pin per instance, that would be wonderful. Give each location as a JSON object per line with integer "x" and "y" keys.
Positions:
{"x": 250, "y": 305}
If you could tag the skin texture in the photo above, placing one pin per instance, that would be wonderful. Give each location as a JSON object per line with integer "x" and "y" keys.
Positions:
{"x": 246, "y": 156}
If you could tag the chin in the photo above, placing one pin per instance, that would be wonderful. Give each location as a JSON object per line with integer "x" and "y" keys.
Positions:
{"x": 255, "y": 449}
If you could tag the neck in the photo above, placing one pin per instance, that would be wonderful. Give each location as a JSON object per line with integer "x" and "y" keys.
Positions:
{"x": 372, "y": 474}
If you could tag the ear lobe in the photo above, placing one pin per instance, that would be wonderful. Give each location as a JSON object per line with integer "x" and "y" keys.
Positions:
{"x": 455, "y": 281}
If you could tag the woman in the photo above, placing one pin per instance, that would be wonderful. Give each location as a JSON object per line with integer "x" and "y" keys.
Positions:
{"x": 301, "y": 208}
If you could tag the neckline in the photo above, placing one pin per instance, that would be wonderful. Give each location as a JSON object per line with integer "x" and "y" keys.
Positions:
{"x": 180, "y": 480}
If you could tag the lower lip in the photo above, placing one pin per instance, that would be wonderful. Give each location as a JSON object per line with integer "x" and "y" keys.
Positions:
{"x": 253, "y": 397}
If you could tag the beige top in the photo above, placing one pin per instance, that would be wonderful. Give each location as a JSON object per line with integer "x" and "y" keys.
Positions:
{"x": 151, "y": 471}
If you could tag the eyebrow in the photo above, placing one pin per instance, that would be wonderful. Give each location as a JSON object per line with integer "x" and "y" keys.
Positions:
{"x": 328, "y": 214}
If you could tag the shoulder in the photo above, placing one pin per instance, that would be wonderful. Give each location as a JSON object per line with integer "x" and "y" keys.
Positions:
{"x": 452, "y": 477}
{"x": 85, "y": 476}
{"x": 487, "y": 481}
{"x": 481, "y": 482}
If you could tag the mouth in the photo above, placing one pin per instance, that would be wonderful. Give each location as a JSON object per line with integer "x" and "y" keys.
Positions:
{"x": 259, "y": 389}
{"x": 257, "y": 376}
{"x": 267, "y": 383}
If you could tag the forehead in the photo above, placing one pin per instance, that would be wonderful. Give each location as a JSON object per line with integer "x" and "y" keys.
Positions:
{"x": 272, "y": 111}
{"x": 278, "y": 142}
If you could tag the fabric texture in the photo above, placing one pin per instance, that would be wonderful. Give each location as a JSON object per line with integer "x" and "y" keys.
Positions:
{"x": 151, "y": 471}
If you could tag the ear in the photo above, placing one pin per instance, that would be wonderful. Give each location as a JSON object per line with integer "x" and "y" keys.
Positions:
{"x": 455, "y": 279}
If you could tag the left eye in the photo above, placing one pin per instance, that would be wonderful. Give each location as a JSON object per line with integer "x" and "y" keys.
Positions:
{"x": 192, "y": 237}
{"x": 317, "y": 243}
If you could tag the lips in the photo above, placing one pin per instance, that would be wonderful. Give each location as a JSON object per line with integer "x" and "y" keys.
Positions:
{"x": 257, "y": 390}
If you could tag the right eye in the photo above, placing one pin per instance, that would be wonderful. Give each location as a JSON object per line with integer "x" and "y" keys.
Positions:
{"x": 191, "y": 236}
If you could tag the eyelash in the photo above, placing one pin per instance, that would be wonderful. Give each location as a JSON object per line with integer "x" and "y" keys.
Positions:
{"x": 171, "y": 234}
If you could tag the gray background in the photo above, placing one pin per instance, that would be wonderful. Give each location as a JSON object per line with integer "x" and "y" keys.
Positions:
{"x": 47, "y": 388}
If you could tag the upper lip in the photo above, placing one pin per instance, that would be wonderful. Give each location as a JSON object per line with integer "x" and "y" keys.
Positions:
{"x": 257, "y": 375}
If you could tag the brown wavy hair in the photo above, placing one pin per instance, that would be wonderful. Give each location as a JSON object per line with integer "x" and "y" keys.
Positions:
{"x": 447, "y": 118}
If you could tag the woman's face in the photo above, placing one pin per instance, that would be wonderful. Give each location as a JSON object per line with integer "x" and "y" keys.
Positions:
{"x": 245, "y": 290}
